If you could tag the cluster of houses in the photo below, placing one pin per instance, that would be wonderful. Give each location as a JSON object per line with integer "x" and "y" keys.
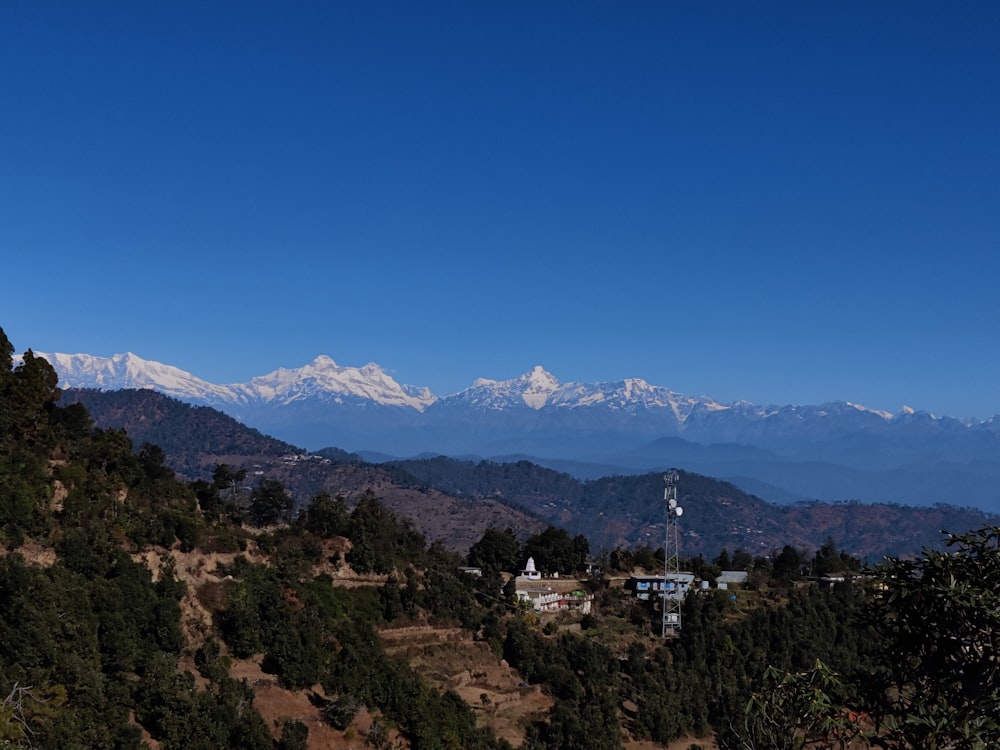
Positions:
{"x": 553, "y": 594}
{"x": 550, "y": 594}
{"x": 677, "y": 585}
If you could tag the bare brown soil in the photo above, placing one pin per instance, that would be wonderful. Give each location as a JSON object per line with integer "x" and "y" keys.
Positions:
{"x": 449, "y": 658}
{"x": 276, "y": 705}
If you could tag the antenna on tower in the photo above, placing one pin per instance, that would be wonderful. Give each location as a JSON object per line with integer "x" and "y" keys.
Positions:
{"x": 671, "y": 591}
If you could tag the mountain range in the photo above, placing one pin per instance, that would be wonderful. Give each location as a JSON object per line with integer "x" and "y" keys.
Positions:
{"x": 454, "y": 501}
{"x": 835, "y": 451}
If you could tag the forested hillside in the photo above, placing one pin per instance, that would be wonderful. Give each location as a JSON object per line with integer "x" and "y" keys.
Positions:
{"x": 627, "y": 510}
{"x": 197, "y": 439}
{"x": 455, "y": 501}
{"x": 137, "y": 610}
{"x": 194, "y": 437}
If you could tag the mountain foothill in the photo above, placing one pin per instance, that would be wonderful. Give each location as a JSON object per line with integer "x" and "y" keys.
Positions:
{"x": 455, "y": 498}
{"x": 173, "y": 578}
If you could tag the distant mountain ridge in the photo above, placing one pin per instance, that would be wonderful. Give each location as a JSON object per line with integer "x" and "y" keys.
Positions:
{"x": 456, "y": 500}
{"x": 323, "y": 378}
{"x": 834, "y": 451}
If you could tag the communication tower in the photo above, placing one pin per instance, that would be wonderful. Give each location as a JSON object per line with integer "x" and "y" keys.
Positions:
{"x": 672, "y": 591}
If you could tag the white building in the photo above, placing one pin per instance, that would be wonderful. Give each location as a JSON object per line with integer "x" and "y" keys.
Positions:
{"x": 529, "y": 573}
{"x": 547, "y": 600}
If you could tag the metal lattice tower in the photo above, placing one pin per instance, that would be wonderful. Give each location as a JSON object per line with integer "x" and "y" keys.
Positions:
{"x": 671, "y": 592}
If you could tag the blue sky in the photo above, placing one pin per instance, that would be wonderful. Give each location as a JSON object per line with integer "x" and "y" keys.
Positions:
{"x": 788, "y": 202}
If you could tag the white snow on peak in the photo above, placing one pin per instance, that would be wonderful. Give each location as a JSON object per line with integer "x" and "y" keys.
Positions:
{"x": 321, "y": 378}
{"x": 539, "y": 385}
{"x": 538, "y": 389}
{"x": 532, "y": 389}
{"x": 324, "y": 378}
{"x": 123, "y": 371}
{"x": 859, "y": 407}
{"x": 631, "y": 395}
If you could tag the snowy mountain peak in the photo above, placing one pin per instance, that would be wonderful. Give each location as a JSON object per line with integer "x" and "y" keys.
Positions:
{"x": 538, "y": 386}
{"x": 532, "y": 389}
{"x": 324, "y": 379}
{"x": 124, "y": 371}
{"x": 540, "y": 374}
{"x": 323, "y": 362}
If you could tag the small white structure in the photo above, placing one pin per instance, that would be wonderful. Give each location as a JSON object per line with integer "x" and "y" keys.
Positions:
{"x": 529, "y": 573}
{"x": 732, "y": 577}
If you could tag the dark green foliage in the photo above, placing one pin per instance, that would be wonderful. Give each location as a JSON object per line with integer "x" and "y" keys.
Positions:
{"x": 289, "y": 624}
{"x": 325, "y": 516}
{"x": 938, "y": 677}
{"x": 788, "y": 563}
{"x": 293, "y": 551}
{"x": 90, "y": 632}
{"x": 497, "y": 551}
{"x": 380, "y": 540}
{"x": 185, "y": 432}
{"x": 182, "y": 717}
{"x": 6, "y": 353}
{"x": 391, "y": 600}
{"x": 795, "y": 711}
{"x": 26, "y": 439}
{"x": 447, "y": 594}
{"x": 256, "y": 612}
{"x": 555, "y": 552}
{"x": 582, "y": 675}
{"x": 294, "y": 736}
{"x": 211, "y": 664}
{"x": 226, "y": 482}
{"x": 269, "y": 503}
{"x": 336, "y": 603}
{"x": 298, "y": 652}
{"x": 638, "y": 557}
{"x": 340, "y": 712}
{"x": 829, "y": 560}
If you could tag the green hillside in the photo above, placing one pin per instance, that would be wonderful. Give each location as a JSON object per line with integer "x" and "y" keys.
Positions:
{"x": 138, "y": 610}
{"x": 625, "y": 511}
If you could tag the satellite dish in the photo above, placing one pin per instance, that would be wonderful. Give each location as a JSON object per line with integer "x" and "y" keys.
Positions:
{"x": 671, "y": 503}
{"x": 679, "y": 510}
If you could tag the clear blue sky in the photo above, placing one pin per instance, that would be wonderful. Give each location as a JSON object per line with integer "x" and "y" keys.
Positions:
{"x": 787, "y": 202}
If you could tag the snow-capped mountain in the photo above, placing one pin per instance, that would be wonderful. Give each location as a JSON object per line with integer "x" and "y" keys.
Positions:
{"x": 832, "y": 451}
{"x": 318, "y": 392}
{"x": 325, "y": 380}
{"x": 124, "y": 371}
{"x": 322, "y": 379}
{"x": 532, "y": 390}
{"x": 540, "y": 389}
